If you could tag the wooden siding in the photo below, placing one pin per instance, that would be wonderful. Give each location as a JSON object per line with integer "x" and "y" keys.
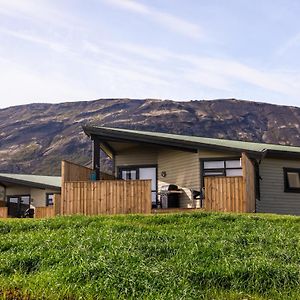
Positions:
{"x": 183, "y": 169}
{"x": 106, "y": 197}
{"x": 3, "y": 212}
{"x": 215, "y": 154}
{"x": 44, "y": 212}
{"x": 2, "y": 203}
{"x": 142, "y": 155}
{"x": 273, "y": 198}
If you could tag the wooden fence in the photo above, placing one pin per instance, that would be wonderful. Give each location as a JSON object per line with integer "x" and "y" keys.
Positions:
{"x": 249, "y": 183}
{"x": 3, "y": 212}
{"x": 44, "y": 212}
{"x": 235, "y": 194}
{"x": 224, "y": 193}
{"x": 106, "y": 197}
{"x": 74, "y": 172}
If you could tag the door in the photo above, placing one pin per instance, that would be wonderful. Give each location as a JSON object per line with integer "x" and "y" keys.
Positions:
{"x": 143, "y": 172}
{"x": 17, "y": 205}
{"x": 150, "y": 173}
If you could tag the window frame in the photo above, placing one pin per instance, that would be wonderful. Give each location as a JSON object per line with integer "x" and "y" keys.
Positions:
{"x": 47, "y": 199}
{"x": 202, "y": 170}
{"x": 287, "y": 188}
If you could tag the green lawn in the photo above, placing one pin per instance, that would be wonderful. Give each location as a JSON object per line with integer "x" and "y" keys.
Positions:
{"x": 177, "y": 256}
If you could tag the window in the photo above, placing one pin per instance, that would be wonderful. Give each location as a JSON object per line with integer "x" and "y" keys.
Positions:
{"x": 129, "y": 174}
{"x": 291, "y": 180}
{"x": 230, "y": 167}
{"x": 49, "y": 199}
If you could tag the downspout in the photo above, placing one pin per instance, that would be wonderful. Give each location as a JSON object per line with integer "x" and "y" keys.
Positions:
{"x": 257, "y": 164}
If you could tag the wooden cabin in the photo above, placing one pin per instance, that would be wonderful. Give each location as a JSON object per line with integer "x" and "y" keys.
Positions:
{"x": 214, "y": 174}
{"x": 19, "y": 192}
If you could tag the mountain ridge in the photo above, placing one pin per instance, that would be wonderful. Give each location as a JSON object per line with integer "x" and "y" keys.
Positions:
{"x": 35, "y": 137}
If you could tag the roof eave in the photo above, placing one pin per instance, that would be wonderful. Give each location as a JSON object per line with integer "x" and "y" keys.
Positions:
{"x": 113, "y": 135}
{"x": 29, "y": 183}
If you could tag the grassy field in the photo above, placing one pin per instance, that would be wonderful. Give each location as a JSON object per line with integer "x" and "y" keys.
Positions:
{"x": 176, "y": 256}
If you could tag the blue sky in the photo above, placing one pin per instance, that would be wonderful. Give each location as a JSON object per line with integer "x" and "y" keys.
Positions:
{"x": 68, "y": 50}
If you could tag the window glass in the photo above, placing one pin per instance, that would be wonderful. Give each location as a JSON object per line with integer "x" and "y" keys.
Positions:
{"x": 50, "y": 198}
{"x": 153, "y": 197}
{"x": 214, "y": 164}
{"x": 13, "y": 199}
{"x": 129, "y": 174}
{"x": 25, "y": 199}
{"x": 234, "y": 172}
{"x": 149, "y": 173}
{"x": 233, "y": 163}
{"x": 293, "y": 179}
{"x": 231, "y": 167}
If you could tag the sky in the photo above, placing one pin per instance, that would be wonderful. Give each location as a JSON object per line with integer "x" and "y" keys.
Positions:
{"x": 70, "y": 50}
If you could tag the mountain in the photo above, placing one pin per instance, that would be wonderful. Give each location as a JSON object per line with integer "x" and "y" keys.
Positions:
{"x": 35, "y": 137}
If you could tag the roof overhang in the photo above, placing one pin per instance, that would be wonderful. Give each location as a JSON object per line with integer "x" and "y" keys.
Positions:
{"x": 105, "y": 135}
{"x": 4, "y": 179}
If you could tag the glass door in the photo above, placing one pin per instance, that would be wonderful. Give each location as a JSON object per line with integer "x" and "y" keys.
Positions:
{"x": 150, "y": 173}
{"x": 17, "y": 205}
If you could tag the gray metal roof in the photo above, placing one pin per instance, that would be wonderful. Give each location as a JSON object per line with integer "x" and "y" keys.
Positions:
{"x": 32, "y": 180}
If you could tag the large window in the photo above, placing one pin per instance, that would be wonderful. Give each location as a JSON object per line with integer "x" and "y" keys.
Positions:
{"x": 229, "y": 167}
{"x": 291, "y": 180}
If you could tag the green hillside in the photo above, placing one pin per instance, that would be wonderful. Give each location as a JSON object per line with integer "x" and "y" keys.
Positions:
{"x": 177, "y": 256}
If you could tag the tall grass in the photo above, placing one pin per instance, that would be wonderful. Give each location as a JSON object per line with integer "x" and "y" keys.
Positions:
{"x": 176, "y": 256}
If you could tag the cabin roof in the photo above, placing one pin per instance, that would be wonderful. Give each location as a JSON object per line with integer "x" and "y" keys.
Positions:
{"x": 38, "y": 181}
{"x": 190, "y": 141}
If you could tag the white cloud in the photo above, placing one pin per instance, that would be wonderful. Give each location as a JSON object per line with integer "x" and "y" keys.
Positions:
{"x": 39, "y": 11}
{"x": 218, "y": 73}
{"x": 168, "y": 20}
{"x": 27, "y": 36}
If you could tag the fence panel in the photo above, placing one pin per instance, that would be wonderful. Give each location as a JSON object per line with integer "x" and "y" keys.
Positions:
{"x": 249, "y": 183}
{"x": 44, "y": 212}
{"x": 3, "y": 212}
{"x": 106, "y": 197}
{"x": 224, "y": 194}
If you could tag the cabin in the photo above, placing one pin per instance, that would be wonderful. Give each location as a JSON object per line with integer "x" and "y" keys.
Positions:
{"x": 198, "y": 172}
{"x": 19, "y": 192}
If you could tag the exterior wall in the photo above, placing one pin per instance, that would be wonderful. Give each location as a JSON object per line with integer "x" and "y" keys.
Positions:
{"x": 17, "y": 190}
{"x": 136, "y": 156}
{"x": 273, "y": 199}
{"x": 38, "y": 196}
{"x": 183, "y": 169}
{"x": 215, "y": 154}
